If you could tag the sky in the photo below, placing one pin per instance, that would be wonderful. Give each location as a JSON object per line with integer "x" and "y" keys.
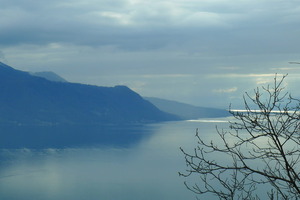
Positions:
{"x": 203, "y": 52}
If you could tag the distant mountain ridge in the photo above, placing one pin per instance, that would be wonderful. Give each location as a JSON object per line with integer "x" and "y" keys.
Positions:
{"x": 28, "y": 99}
{"x": 186, "y": 111}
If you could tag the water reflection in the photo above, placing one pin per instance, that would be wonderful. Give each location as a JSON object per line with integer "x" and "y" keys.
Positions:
{"x": 145, "y": 169}
{"x": 41, "y": 137}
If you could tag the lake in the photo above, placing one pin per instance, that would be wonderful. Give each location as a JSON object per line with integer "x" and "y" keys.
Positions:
{"x": 140, "y": 162}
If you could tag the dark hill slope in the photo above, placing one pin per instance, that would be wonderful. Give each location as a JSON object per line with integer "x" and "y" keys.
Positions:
{"x": 27, "y": 99}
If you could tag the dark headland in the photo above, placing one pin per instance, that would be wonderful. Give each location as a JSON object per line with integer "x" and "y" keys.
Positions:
{"x": 29, "y": 99}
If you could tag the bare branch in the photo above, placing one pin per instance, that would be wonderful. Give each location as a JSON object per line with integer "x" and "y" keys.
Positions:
{"x": 262, "y": 148}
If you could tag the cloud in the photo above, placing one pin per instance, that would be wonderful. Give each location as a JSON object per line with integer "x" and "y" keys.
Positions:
{"x": 166, "y": 75}
{"x": 232, "y": 68}
{"x": 228, "y": 90}
{"x": 286, "y": 68}
{"x": 2, "y": 55}
{"x": 229, "y": 75}
{"x": 122, "y": 19}
{"x": 205, "y": 25}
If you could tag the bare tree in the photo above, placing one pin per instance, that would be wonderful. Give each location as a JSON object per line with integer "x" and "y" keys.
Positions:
{"x": 261, "y": 150}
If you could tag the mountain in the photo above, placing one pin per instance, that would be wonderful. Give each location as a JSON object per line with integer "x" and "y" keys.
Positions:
{"x": 28, "y": 99}
{"x": 182, "y": 110}
{"x": 51, "y": 76}
{"x": 186, "y": 111}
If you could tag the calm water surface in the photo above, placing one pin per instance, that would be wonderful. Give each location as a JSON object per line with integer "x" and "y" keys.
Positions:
{"x": 145, "y": 168}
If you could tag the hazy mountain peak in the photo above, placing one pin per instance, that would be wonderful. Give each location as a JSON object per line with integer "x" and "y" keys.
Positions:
{"x": 51, "y": 76}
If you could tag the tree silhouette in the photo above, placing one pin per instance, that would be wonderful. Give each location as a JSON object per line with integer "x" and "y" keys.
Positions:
{"x": 261, "y": 149}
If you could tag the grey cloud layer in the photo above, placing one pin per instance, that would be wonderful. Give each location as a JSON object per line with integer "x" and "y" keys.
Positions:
{"x": 211, "y": 26}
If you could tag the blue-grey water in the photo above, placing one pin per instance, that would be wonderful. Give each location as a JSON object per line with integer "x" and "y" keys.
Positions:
{"x": 142, "y": 165}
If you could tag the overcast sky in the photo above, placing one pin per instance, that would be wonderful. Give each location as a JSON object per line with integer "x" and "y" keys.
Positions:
{"x": 204, "y": 52}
